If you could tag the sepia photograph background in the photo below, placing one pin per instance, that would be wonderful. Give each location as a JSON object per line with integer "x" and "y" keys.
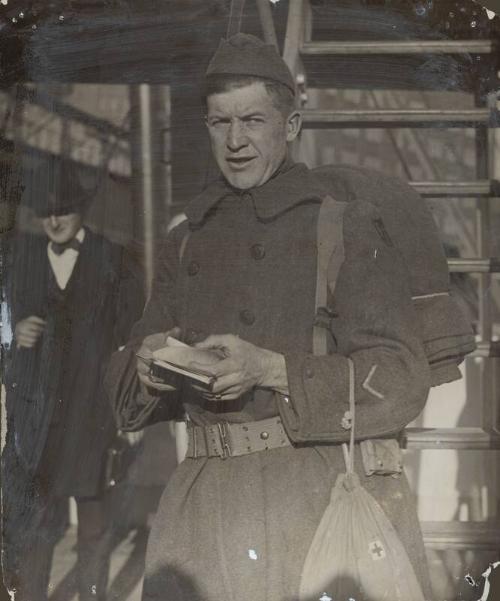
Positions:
{"x": 114, "y": 87}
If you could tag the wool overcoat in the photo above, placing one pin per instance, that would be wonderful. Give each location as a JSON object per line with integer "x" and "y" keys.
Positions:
{"x": 57, "y": 413}
{"x": 240, "y": 528}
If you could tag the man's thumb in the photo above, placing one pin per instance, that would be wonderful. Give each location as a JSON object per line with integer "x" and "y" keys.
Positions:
{"x": 212, "y": 341}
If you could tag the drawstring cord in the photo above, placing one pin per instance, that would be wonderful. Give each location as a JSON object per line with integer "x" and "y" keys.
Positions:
{"x": 349, "y": 453}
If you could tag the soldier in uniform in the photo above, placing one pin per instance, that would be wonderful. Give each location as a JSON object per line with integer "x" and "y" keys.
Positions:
{"x": 63, "y": 297}
{"x": 239, "y": 275}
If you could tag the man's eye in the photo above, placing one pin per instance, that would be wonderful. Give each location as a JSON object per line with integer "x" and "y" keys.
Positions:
{"x": 218, "y": 122}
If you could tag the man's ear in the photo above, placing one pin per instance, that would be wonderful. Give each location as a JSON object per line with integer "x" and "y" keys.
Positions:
{"x": 293, "y": 125}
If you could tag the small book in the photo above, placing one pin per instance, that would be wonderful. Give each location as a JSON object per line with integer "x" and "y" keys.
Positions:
{"x": 157, "y": 368}
{"x": 183, "y": 353}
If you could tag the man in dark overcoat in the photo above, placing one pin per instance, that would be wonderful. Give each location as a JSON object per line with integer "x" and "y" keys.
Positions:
{"x": 239, "y": 276}
{"x": 63, "y": 299}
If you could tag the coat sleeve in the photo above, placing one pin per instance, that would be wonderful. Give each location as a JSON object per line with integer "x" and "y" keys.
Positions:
{"x": 374, "y": 325}
{"x": 130, "y": 296}
{"x": 134, "y": 406}
{"x": 25, "y": 282}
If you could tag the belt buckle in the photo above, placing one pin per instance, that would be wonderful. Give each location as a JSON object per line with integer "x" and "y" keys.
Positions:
{"x": 223, "y": 435}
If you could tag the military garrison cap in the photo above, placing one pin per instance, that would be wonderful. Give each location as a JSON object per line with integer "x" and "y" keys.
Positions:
{"x": 245, "y": 54}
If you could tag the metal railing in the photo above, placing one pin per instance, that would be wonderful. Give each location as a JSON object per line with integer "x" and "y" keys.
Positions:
{"x": 349, "y": 48}
{"x": 366, "y": 118}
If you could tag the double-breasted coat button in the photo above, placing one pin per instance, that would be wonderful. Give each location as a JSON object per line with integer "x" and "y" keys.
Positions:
{"x": 264, "y": 435}
{"x": 193, "y": 268}
{"x": 258, "y": 252}
{"x": 247, "y": 317}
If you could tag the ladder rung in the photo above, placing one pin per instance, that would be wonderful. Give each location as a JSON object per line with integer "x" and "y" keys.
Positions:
{"x": 450, "y": 438}
{"x": 463, "y": 189}
{"x": 399, "y": 47}
{"x": 461, "y": 535}
{"x": 330, "y": 119}
{"x": 491, "y": 265}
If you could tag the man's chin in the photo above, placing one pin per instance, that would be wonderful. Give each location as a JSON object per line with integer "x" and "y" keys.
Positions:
{"x": 242, "y": 181}
{"x": 60, "y": 239}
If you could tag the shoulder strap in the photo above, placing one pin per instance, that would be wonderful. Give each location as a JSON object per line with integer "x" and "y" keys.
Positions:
{"x": 330, "y": 245}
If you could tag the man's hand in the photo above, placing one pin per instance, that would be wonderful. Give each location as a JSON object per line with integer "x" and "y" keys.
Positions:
{"x": 244, "y": 367}
{"x": 28, "y": 331}
{"x": 149, "y": 345}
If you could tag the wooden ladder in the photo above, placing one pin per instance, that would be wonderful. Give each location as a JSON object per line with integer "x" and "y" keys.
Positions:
{"x": 319, "y": 64}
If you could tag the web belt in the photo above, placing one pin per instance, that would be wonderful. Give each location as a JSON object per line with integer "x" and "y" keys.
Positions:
{"x": 225, "y": 439}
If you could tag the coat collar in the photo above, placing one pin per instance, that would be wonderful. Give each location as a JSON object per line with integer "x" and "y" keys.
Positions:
{"x": 292, "y": 184}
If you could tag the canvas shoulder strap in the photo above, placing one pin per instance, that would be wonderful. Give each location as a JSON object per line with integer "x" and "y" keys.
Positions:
{"x": 330, "y": 245}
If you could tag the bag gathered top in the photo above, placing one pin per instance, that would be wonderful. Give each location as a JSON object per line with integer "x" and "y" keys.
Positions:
{"x": 356, "y": 552}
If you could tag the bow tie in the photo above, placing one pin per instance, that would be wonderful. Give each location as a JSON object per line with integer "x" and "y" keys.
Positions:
{"x": 59, "y": 248}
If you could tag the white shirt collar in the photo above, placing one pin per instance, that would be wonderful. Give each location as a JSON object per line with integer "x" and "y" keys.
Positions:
{"x": 62, "y": 265}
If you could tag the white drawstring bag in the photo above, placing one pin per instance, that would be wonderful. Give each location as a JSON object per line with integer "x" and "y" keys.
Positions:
{"x": 356, "y": 552}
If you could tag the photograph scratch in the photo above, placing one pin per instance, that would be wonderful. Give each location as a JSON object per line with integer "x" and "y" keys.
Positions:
{"x": 250, "y": 300}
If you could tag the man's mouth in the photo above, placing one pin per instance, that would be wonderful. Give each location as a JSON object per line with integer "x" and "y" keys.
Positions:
{"x": 239, "y": 162}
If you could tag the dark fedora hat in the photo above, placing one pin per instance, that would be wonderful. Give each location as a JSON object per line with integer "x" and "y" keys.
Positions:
{"x": 52, "y": 186}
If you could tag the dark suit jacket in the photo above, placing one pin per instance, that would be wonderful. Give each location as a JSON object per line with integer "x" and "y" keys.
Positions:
{"x": 57, "y": 414}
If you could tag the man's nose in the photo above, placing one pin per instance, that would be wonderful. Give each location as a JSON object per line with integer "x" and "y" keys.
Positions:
{"x": 54, "y": 221}
{"x": 236, "y": 137}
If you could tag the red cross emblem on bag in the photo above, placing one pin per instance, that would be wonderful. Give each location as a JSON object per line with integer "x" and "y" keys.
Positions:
{"x": 377, "y": 550}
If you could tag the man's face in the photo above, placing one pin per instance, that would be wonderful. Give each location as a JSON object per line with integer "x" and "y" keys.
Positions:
{"x": 62, "y": 228}
{"x": 248, "y": 134}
